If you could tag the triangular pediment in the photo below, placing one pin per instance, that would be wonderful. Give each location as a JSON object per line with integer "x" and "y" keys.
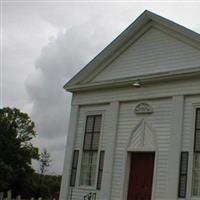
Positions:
{"x": 152, "y": 46}
{"x": 154, "y": 52}
{"x": 142, "y": 138}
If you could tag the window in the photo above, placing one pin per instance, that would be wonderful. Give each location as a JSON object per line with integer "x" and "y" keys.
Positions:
{"x": 100, "y": 171}
{"x": 183, "y": 175}
{"x": 197, "y": 132}
{"x": 74, "y": 168}
{"x": 90, "y": 150}
{"x": 196, "y": 158}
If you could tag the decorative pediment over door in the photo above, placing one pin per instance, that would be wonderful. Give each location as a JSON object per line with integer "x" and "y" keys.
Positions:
{"x": 142, "y": 138}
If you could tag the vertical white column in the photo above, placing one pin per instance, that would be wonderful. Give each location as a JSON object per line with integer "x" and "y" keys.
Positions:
{"x": 110, "y": 151}
{"x": 68, "y": 152}
{"x": 175, "y": 147}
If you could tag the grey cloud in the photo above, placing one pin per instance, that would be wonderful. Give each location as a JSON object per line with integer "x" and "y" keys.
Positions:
{"x": 58, "y": 61}
{"x": 88, "y": 27}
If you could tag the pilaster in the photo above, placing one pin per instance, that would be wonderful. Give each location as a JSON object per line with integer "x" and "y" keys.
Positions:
{"x": 175, "y": 147}
{"x": 110, "y": 150}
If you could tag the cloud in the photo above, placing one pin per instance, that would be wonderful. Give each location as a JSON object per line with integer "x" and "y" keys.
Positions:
{"x": 37, "y": 86}
{"x": 58, "y": 62}
{"x": 47, "y": 43}
{"x": 24, "y": 34}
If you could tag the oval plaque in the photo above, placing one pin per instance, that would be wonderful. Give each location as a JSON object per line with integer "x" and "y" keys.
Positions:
{"x": 143, "y": 108}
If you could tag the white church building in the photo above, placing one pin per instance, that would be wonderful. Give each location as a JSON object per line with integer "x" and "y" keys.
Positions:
{"x": 134, "y": 130}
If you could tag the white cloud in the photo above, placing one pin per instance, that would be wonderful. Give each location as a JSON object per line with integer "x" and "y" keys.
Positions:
{"x": 47, "y": 43}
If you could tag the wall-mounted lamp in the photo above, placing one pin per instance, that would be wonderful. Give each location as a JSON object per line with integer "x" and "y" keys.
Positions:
{"x": 137, "y": 84}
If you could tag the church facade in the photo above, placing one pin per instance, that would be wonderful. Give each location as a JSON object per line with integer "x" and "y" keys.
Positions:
{"x": 134, "y": 130}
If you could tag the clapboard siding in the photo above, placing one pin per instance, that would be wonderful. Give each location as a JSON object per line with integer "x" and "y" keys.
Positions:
{"x": 153, "y": 52}
{"x": 147, "y": 91}
{"x": 160, "y": 120}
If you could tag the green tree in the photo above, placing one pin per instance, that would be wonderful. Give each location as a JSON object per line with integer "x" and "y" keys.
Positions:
{"x": 16, "y": 150}
{"x": 49, "y": 188}
{"x": 45, "y": 161}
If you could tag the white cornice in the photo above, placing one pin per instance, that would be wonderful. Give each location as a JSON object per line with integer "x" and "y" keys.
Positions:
{"x": 144, "y": 79}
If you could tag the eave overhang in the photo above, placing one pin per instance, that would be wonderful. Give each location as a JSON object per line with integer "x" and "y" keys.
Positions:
{"x": 143, "y": 79}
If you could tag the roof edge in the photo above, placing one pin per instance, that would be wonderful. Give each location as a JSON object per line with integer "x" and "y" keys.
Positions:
{"x": 103, "y": 54}
{"x": 148, "y": 78}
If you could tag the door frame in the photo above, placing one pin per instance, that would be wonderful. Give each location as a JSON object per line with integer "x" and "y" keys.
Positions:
{"x": 127, "y": 172}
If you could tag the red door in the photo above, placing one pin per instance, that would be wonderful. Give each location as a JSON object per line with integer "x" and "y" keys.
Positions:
{"x": 141, "y": 176}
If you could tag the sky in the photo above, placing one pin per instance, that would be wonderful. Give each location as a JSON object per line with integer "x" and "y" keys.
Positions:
{"x": 45, "y": 43}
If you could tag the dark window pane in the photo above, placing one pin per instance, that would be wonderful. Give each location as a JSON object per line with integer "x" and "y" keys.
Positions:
{"x": 183, "y": 175}
{"x": 73, "y": 178}
{"x": 89, "y": 123}
{"x": 95, "y": 141}
{"x": 87, "y": 141}
{"x": 100, "y": 171}
{"x": 182, "y": 188}
{"x": 99, "y": 180}
{"x": 74, "y": 168}
{"x": 97, "y": 125}
{"x": 184, "y": 162}
{"x": 197, "y": 141}
{"x": 93, "y": 126}
{"x": 75, "y": 159}
{"x": 101, "y": 161}
{"x": 198, "y": 119}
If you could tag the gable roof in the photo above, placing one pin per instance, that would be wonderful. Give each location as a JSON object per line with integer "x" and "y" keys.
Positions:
{"x": 143, "y": 20}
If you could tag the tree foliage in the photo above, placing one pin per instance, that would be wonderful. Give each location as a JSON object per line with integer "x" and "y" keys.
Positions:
{"x": 49, "y": 188}
{"x": 16, "y": 150}
{"x": 45, "y": 161}
{"x": 16, "y": 153}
